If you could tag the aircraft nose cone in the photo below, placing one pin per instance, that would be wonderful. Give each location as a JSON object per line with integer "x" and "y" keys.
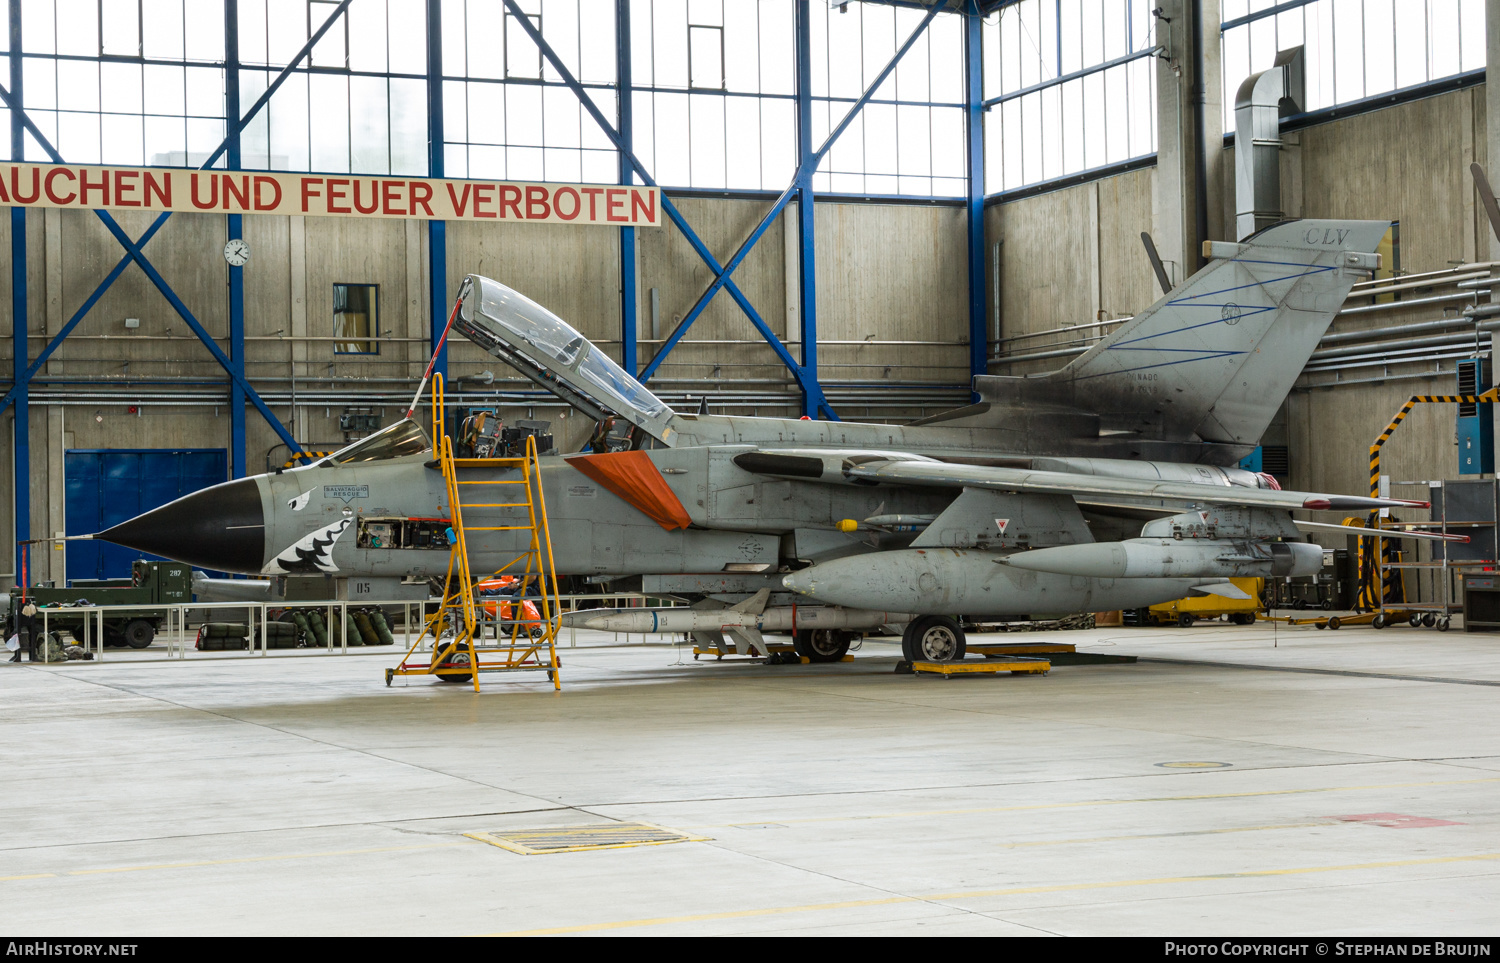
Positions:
{"x": 800, "y": 582}
{"x": 222, "y": 527}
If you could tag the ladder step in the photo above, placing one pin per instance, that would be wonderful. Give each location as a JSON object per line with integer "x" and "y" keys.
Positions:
{"x": 495, "y": 505}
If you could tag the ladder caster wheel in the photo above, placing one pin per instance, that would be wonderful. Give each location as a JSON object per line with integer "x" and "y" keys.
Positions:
{"x": 389, "y": 673}
{"x": 1415, "y": 621}
{"x": 1378, "y": 622}
{"x": 1429, "y": 620}
{"x": 1443, "y": 623}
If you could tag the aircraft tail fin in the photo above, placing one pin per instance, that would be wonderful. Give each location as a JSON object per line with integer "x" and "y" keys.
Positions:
{"x": 1216, "y": 356}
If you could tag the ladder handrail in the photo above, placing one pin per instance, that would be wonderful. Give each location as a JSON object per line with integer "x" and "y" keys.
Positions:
{"x": 540, "y": 564}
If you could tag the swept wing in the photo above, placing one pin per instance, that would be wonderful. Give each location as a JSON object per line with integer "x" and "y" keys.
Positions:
{"x": 1101, "y": 490}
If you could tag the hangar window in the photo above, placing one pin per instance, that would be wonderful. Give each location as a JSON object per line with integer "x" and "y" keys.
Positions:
{"x": 507, "y": 115}
{"x": 1069, "y": 87}
{"x": 706, "y": 56}
{"x": 909, "y": 139}
{"x": 356, "y": 318}
{"x": 359, "y": 107}
{"x": 523, "y": 58}
{"x": 1353, "y": 50}
{"x": 713, "y": 92}
{"x": 157, "y": 99}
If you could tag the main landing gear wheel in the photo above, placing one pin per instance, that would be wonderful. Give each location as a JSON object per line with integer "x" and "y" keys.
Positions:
{"x": 821, "y": 645}
{"x": 933, "y": 638}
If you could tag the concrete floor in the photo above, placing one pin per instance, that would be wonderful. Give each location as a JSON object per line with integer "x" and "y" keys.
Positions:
{"x": 296, "y": 794}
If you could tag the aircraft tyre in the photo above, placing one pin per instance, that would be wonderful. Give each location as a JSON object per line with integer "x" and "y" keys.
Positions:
{"x": 139, "y": 633}
{"x": 933, "y": 638}
{"x": 822, "y": 645}
{"x": 457, "y": 658}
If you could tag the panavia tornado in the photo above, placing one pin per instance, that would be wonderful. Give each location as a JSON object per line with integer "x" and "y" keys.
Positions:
{"x": 1108, "y": 484}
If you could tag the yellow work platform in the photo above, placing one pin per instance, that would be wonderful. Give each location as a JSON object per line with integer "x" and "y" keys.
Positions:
{"x": 1022, "y": 648}
{"x": 991, "y": 666}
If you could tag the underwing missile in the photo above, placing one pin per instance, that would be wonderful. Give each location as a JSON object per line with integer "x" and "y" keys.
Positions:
{"x": 780, "y": 619}
{"x": 1173, "y": 558}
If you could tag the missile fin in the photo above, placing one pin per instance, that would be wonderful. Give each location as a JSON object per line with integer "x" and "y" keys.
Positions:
{"x": 754, "y": 605}
{"x": 1225, "y": 589}
{"x": 711, "y": 640}
{"x": 751, "y": 638}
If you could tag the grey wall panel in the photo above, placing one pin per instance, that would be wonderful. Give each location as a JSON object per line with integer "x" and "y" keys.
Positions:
{"x": 573, "y": 271}
{"x": 892, "y": 272}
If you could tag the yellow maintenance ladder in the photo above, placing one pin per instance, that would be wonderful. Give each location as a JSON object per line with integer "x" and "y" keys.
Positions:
{"x": 531, "y": 642}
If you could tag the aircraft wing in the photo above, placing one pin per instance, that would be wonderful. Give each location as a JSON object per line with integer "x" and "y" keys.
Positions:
{"x": 1104, "y": 490}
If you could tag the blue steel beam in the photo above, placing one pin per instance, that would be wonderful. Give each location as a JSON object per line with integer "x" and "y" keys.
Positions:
{"x": 809, "y": 163}
{"x": 807, "y": 267}
{"x": 974, "y": 147}
{"x": 161, "y": 219}
{"x": 234, "y": 229}
{"x": 670, "y": 209}
{"x": 437, "y": 231}
{"x": 19, "y": 324}
{"x": 630, "y": 300}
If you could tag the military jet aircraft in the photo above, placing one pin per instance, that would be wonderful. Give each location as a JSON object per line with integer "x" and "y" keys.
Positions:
{"x": 1107, "y": 484}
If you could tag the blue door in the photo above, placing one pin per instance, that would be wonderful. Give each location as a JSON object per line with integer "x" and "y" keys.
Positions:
{"x": 108, "y": 486}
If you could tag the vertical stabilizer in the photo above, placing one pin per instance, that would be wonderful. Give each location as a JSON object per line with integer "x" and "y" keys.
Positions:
{"x": 1214, "y": 359}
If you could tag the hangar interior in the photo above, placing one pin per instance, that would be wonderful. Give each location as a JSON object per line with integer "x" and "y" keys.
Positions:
{"x": 1071, "y": 135}
{"x": 907, "y": 194}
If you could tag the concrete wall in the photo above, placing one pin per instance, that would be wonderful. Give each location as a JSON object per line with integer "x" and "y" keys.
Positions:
{"x": 1071, "y": 257}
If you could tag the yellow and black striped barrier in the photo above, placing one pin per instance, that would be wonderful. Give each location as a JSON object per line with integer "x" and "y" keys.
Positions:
{"x": 307, "y": 457}
{"x": 1381, "y": 547}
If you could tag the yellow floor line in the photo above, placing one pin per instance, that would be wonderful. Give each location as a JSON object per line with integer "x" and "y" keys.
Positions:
{"x": 984, "y": 893}
{"x": 5, "y": 879}
{"x": 1030, "y": 807}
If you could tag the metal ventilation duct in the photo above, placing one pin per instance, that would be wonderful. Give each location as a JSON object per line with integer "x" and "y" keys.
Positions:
{"x": 1262, "y": 101}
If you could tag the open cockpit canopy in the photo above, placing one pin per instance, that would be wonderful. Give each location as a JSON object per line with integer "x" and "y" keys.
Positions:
{"x": 553, "y": 354}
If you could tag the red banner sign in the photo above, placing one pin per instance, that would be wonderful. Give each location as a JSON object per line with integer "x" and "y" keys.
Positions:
{"x": 325, "y": 195}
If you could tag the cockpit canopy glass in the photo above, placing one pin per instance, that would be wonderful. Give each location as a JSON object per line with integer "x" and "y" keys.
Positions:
{"x": 558, "y": 346}
{"x": 405, "y": 437}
